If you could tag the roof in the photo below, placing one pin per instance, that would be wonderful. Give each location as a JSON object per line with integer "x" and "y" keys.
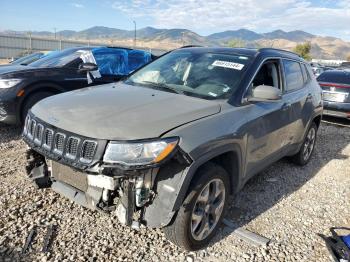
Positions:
{"x": 249, "y": 51}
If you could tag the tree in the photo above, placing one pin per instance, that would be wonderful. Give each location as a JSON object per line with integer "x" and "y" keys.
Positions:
{"x": 303, "y": 50}
{"x": 236, "y": 42}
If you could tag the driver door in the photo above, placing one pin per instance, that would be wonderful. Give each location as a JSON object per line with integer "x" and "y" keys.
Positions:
{"x": 267, "y": 121}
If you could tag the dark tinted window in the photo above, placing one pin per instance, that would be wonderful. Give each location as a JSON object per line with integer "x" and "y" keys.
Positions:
{"x": 339, "y": 77}
{"x": 293, "y": 74}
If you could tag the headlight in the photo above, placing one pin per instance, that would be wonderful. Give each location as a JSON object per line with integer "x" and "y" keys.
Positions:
{"x": 139, "y": 153}
{"x": 7, "y": 83}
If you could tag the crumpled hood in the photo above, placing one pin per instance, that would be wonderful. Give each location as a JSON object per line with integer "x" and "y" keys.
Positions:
{"x": 121, "y": 112}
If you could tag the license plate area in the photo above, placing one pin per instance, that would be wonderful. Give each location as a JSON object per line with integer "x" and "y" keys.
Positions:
{"x": 334, "y": 96}
{"x": 69, "y": 176}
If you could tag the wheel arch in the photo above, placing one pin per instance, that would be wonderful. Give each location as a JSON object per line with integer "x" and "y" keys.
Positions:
{"x": 37, "y": 87}
{"x": 168, "y": 202}
{"x": 228, "y": 157}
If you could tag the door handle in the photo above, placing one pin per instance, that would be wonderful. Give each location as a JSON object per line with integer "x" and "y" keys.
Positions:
{"x": 286, "y": 106}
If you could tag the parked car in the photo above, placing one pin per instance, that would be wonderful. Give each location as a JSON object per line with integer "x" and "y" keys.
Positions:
{"x": 23, "y": 86}
{"x": 336, "y": 92}
{"x": 167, "y": 146}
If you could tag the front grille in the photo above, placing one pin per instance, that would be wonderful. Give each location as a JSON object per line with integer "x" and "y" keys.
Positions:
{"x": 72, "y": 147}
{"x": 88, "y": 151}
{"x": 60, "y": 145}
{"x": 48, "y": 138}
{"x": 38, "y": 135}
{"x": 31, "y": 128}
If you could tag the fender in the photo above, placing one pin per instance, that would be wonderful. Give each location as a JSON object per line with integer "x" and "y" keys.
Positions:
{"x": 173, "y": 182}
{"x": 37, "y": 87}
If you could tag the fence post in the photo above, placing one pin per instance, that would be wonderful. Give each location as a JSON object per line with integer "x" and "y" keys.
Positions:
{"x": 30, "y": 42}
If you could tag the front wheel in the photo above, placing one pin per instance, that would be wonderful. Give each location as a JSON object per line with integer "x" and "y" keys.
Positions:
{"x": 307, "y": 148}
{"x": 201, "y": 213}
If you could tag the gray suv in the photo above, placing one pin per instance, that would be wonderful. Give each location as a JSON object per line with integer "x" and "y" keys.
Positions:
{"x": 169, "y": 145}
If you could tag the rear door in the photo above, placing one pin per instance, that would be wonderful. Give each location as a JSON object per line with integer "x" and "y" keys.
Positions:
{"x": 298, "y": 99}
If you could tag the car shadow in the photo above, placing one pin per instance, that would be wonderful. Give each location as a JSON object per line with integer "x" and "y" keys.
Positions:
{"x": 341, "y": 122}
{"x": 281, "y": 179}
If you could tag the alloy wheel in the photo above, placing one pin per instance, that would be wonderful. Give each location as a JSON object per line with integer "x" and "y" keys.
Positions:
{"x": 207, "y": 209}
{"x": 309, "y": 143}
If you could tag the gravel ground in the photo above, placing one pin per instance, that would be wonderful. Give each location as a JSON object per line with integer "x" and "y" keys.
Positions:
{"x": 285, "y": 203}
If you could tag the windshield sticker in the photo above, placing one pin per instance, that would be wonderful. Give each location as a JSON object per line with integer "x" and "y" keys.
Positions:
{"x": 227, "y": 64}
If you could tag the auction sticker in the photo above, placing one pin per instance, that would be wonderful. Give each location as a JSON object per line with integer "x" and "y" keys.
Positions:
{"x": 227, "y": 64}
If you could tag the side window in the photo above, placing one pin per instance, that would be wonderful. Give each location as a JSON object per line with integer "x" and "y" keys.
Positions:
{"x": 268, "y": 74}
{"x": 305, "y": 74}
{"x": 293, "y": 75}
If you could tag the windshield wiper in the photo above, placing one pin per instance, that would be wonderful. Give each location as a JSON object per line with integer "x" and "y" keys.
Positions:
{"x": 162, "y": 86}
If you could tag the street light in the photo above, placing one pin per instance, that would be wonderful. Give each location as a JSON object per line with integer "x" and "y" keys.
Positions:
{"x": 134, "y": 33}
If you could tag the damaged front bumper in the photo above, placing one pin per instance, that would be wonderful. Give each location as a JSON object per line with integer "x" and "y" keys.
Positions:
{"x": 133, "y": 196}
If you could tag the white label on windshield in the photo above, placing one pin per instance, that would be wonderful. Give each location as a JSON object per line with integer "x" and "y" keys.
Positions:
{"x": 227, "y": 64}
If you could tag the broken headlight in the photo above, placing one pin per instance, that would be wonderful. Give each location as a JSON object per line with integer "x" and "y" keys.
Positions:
{"x": 139, "y": 153}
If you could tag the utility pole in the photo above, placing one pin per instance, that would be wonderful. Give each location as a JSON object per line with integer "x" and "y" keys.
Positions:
{"x": 134, "y": 33}
{"x": 55, "y": 31}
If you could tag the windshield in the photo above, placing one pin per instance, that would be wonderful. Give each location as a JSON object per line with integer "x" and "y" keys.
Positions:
{"x": 200, "y": 74}
{"x": 27, "y": 59}
{"x": 57, "y": 59}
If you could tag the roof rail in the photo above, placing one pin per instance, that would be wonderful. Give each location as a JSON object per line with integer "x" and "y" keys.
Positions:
{"x": 279, "y": 50}
{"x": 188, "y": 46}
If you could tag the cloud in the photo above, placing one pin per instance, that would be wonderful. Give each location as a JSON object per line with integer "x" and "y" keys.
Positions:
{"x": 325, "y": 17}
{"x": 77, "y": 5}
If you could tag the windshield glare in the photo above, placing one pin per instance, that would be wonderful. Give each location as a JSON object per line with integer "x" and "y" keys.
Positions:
{"x": 57, "y": 59}
{"x": 206, "y": 75}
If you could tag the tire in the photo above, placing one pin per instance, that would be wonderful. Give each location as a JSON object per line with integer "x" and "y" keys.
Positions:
{"x": 181, "y": 231}
{"x": 303, "y": 156}
{"x": 31, "y": 101}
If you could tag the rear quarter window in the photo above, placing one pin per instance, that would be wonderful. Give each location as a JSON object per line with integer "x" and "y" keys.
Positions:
{"x": 293, "y": 75}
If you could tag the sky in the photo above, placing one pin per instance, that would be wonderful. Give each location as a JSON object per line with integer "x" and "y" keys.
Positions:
{"x": 321, "y": 17}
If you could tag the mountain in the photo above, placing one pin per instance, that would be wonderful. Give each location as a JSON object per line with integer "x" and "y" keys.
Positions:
{"x": 297, "y": 35}
{"x": 243, "y": 34}
{"x": 150, "y": 37}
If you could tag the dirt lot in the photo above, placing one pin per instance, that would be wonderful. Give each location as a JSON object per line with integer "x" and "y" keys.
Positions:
{"x": 285, "y": 203}
{"x": 4, "y": 61}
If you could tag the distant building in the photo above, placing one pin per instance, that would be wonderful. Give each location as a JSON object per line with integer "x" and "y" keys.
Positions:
{"x": 325, "y": 62}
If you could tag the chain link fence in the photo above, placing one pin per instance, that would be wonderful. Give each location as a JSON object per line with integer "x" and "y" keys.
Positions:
{"x": 16, "y": 46}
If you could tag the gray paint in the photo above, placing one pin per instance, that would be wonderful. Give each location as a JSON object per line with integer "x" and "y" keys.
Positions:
{"x": 259, "y": 133}
{"x": 122, "y": 112}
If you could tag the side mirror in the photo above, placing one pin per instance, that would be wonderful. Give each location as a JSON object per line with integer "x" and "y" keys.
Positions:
{"x": 87, "y": 67}
{"x": 265, "y": 93}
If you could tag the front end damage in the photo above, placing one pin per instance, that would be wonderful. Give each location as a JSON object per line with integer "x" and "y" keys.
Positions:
{"x": 144, "y": 195}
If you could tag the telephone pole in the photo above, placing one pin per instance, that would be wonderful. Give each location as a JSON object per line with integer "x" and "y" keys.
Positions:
{"x": 134, "y": 33}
